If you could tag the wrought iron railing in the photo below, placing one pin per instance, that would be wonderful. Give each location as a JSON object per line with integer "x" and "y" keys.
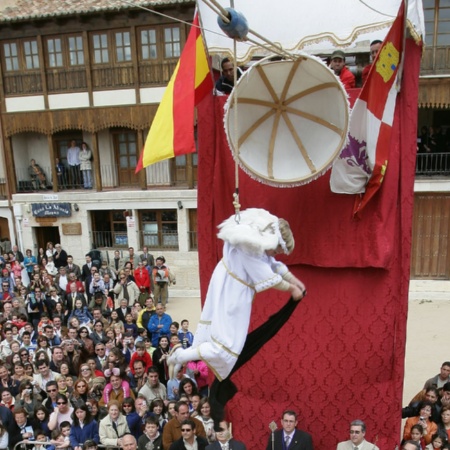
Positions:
{"x": 166, "y": 239}
{"x": 431, "y": 164}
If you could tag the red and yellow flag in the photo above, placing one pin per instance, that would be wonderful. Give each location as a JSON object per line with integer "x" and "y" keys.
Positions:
{"x": 172, "y": 130}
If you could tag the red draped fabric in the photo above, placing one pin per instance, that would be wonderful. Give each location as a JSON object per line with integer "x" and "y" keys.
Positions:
{"x": 340, "y": 356}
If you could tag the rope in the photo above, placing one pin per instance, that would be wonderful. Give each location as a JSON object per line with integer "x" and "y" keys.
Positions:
{"x": 236, "y": 204}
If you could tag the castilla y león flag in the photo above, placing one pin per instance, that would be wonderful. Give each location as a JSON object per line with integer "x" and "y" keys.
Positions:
{"x": 172, "y": 130}
{"x": 361, "y": 165}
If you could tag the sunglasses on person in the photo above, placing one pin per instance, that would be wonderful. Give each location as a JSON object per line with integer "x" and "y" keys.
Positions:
{"x": 51, "y": 390}
{"x": 127, "y": 406}
{"x": 186, "y": 430}
{"x": 61, "y": 403}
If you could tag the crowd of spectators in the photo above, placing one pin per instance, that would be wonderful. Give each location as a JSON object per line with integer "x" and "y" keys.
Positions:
{"x": 428, "y": 413}
{"x": 84, "y": 349}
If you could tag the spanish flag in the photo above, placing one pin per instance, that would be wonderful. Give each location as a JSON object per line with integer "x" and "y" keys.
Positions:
{"x": 172, "y": 130}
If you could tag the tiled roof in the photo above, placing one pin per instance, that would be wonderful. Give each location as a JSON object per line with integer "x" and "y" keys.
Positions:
{"x": 18, "y": 10}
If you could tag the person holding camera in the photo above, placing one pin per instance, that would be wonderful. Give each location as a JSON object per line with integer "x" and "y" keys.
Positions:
{"x": 429, "y": 428}
{"x": 26, "y": 398}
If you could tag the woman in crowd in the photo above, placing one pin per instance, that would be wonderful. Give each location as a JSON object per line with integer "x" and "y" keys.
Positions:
{"x": 422, "y": 419}
{"x": 188, "y": 388}
{"x": 204, "y": 415}
{"x": 158, "y": 411}
{"x": 109, "y": 435}
{"x": 84, "y": 427}
{"x": 171, "y": 410}
{"x": 62, "y": 383}
{"x": 42, "y": 416}
{"x": 86, "y": 342}
{"x": 134, "y": 420}
{"x": 19, "y": 372}
{"x": 444, "y": 426}
{"x": 27, "y": 399}
{"x": 86, "y": 165}
{"x": 29, "y": 261}
{"x": 41, "y": 254}
{"x": 79, "y": 394}
{"x": 160, "y": 356}
{"x": 42, "y": 345}
{"x": 50, "y": 249}
{"x": 63, "y": 412}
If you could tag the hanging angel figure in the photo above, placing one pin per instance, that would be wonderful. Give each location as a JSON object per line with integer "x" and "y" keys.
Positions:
{"x": 247, "y": 267}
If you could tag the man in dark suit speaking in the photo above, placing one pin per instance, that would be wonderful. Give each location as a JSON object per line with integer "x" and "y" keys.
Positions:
{"x": 224, "y": 439}
{"x": 289, "y": 438}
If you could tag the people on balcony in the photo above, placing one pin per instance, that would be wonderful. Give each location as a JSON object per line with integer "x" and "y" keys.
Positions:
{"x": 86, "y": 165}
{"x": 73, "y": 160}
{"x": 37, "y": 175}
{"x": 61, "y": 173}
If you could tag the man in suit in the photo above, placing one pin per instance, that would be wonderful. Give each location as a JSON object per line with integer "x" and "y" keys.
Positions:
{"x": 224, "y": 437}
{"x": 72, "y": 268}
{"x": 73, "y": 296}
{"x": 357, "y": 439}
{"x": 123, "y": 309}
{"x": 289, "y": 438}
{"x": 188, "y": 438}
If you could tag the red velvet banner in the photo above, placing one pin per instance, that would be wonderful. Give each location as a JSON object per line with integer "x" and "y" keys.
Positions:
{"x": 340, "y": 356}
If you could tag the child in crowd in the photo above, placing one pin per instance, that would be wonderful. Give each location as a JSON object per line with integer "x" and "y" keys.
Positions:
{"x": 45, "y": 320}
{"x": 4, "y": 436}
{"x": 109, "y": 387}
{"x": 186, "y": 337}
{"x": 151, "y": 435}
{"x": 60, "y": 438}
{"x": 141, "y": 355}
{"x": 40, "y": 437}
{"x": 129, "y": 326}
{"x": 174, "y": 328}
{"x": 417, "y": 435}
{"x": 141, "y": 335}
{"x": 174, "y": 340}
{"x": 90, "y": 445}
{"x": 148, "y": 346}
{"x": 437, "y": 442}
{"x": 81, "y": 313}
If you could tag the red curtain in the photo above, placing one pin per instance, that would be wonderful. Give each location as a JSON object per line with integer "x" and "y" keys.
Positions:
{"x": 340, "y": 356}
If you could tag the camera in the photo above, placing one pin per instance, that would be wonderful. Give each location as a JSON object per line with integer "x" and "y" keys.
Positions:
{"x": 28, "y": 391}
{"x": 421, "y": 418}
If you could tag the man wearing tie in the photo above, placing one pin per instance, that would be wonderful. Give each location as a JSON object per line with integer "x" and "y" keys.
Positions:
{"x": 289, "y": 438}
{"x": 72, "y": 268}
{"x": 357, "y": 439}
{"x": 224, "y": 440}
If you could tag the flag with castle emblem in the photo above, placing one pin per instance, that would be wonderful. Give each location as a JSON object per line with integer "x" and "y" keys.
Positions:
{"x": 361, "y": 165}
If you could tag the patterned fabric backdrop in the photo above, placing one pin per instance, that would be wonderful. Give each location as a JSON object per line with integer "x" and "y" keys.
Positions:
{"x": 341, "y": 355}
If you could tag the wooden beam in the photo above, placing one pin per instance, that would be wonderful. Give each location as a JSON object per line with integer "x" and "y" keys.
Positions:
{"x": 51, "y": 150}
{"x": 143, "y": 173}
{"x": 96, "y": 157}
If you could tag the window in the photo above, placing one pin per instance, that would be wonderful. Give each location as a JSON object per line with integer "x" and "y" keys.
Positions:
{"x": 54, "y": 50}
{"x": 66, "y": 51}
{"x": 172, "y": 42}
{"x": 11, "y": 56}
{"x": 109, "y": 229}
{"x": 159, "y": 228}
{"x": 101, "y": 52}
{"x": 76, "y": 54}
{"x": 123, "y": 46}
{"x": 437, "y": 31}
{"x": 31, "y": 52}
{"x": 148, "y": 44}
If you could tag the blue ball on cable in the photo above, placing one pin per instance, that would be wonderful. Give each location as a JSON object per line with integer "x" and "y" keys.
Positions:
{"x": 237, "y": 28}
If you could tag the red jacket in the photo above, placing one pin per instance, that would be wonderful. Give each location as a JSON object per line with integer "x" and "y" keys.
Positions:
{"x": 347, "y": 78}
{"x": 142, "y": 278}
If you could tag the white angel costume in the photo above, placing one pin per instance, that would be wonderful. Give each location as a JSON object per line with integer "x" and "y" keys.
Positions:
{"x": 244, "y": 270}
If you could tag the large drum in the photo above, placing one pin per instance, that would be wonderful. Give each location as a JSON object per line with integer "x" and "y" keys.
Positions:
{"x": 292, "y": 120}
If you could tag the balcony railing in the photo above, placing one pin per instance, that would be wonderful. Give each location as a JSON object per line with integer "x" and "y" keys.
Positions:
{"x": 23, "y": 83}
{"x": 63, "y": 80}
{"x": 109, "y": 239}
{"x": 433, "y": 164}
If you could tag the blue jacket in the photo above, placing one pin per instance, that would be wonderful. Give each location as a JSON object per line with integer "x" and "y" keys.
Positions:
{"x": 152, "y": 326}
{"x": 78, "y": 436}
